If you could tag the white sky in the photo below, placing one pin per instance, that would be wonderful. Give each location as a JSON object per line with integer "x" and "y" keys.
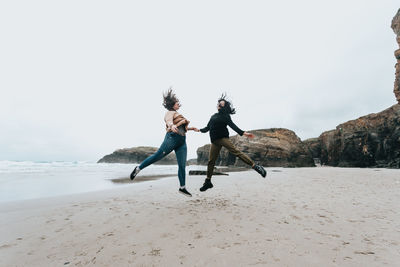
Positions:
{"x": 79, "y": 79}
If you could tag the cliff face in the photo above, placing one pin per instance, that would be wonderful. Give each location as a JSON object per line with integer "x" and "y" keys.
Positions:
{"x": 313, "y": 146}
{"x": 135, "y": 155}
{"x": 270, "y": 147}
{"x": 369, "y": 141}
{"x": 396, "y": 29}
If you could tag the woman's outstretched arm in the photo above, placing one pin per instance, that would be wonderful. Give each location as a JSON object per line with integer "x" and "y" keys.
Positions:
{"x": 237, "y": 129}
{"x": 205, "y": 129}
{"x": 233, "y": 125}
{"x": 193, "y": 129}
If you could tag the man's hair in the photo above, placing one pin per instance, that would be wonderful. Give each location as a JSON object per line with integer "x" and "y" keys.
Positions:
{"x": 228, "y": 108}
{"x": 169, "y": 99}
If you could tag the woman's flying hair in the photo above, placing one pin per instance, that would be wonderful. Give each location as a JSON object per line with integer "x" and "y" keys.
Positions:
{"x": 169, "y": 99}
{"x": 228, "y": 108}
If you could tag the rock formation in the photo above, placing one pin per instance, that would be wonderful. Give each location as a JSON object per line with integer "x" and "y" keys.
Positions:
{"x": 396, "y": 29}
{"x": 135, "y": 155}
{"x": 369, "y": 141}
{"x": 314, "y": 147}
{"x": 270, "y": 147}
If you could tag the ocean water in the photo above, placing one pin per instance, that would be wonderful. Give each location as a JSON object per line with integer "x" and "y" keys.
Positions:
{"x": 20, "y": 180}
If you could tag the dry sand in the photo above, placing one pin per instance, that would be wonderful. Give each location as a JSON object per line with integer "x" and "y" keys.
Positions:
{"x": 294, "y": 217}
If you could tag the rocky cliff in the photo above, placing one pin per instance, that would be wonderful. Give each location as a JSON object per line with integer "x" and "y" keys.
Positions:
{"x": 313, "y": 146}
{"x": 396, "y": 29}
{"x": 369, "y": 141}
{"x": 270, "y": 147}
{"x": 135, "y": 155}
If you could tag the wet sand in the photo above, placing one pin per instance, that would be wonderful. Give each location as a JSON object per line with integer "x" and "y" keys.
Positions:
{"x": 294, "y": 217}
{"x": 144, "y": 178}
{"x": 139, "y": 178}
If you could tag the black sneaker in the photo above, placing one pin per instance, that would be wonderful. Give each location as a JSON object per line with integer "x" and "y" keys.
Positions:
{"x": 260, "y": 169}
{"x": 134, "y": 173}
{"x": 183, "y": 191}
{"x": 207, "y": 184}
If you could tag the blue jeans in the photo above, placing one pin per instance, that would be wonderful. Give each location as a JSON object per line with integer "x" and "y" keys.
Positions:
{"x": 172, "y": 141}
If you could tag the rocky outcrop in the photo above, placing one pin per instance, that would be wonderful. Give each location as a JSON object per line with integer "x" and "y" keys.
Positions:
{"x": 369, "y": 141}
{"x": 396, "y": 29}
{"x": 313, "y": 146}
{"x": 270, "y": 147}
{"x": 135, "y": 155}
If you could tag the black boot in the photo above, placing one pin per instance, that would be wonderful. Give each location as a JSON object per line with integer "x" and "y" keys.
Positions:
{"x": 135, "y": 172}
{"x": 183, "y": 191}
{"x": 207, "y": 184}
{"x": 260, "y": 169}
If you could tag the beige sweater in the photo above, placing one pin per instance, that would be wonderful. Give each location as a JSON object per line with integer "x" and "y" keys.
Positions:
{"x": 174, "y": 118}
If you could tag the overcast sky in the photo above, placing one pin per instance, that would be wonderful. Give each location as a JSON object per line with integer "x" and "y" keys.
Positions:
{"x": 79, "y": 79}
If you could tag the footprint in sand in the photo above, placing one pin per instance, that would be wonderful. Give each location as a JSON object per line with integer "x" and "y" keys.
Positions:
{"x": 295, "y": 217}
{"x": 108, "y": 234}
{"x": 81, "y": 253}
{"x": 198, "y": 235}
{"x": 100, "y": 249}
{"x": 155, "y": 252}
{"x": 165, "y": 235}
{"x": 7, "y": 246}
{"x": 364, "y": 252}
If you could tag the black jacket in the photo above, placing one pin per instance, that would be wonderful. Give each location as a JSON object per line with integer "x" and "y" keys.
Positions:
{"x": 217, "y": 126}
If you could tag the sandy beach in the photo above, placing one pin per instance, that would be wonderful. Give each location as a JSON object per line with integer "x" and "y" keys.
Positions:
{"x": 295, "y": 217}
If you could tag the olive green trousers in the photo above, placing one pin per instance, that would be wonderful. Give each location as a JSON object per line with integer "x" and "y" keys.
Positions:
{"x": 216, "y": 148}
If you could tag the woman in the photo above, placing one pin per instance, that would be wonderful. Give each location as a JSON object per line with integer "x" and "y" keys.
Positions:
{"x": 175, "y": 139}
{"x": 219, "y": 135}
